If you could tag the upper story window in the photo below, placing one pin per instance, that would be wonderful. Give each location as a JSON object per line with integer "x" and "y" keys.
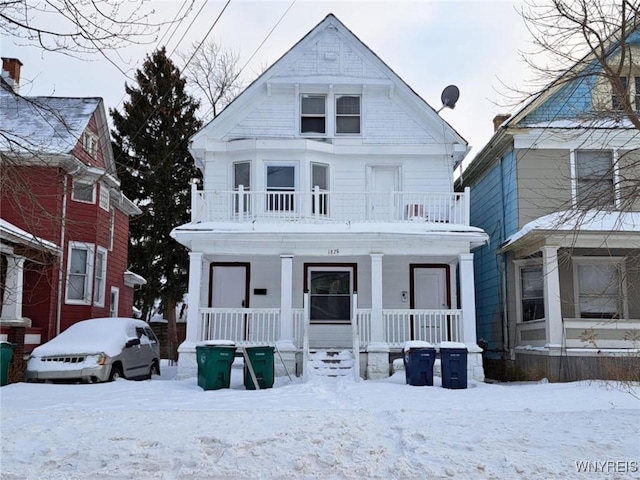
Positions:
{"x": 348, "y": 114}
{"x": 616, "y": 102}
{"x": 112, "y": 227}
{"x": 104, "y": 197}
{"x": 83, "y": 192}
{"x": 313, "y": 114}
{"x": 90, "y": 143}
{"x": 281, "y": 179}
{"x": 242, "y": 177}
{"x": 594, "y": 178}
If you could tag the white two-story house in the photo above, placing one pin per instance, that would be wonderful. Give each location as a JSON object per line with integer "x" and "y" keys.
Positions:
{"x": 327, "y": 218}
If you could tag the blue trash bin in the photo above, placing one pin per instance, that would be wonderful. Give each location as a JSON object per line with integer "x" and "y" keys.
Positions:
{"x": 418, "y": 364}
{"x": 453, "y": 362}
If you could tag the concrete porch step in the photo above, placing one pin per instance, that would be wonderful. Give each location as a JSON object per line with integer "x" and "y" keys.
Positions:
{"x": 331, "y": 363}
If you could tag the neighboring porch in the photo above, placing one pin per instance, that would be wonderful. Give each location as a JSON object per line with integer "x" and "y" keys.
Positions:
{"x": 576, "y": 303}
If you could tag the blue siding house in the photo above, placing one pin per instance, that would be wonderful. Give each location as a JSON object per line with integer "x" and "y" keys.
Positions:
{"x": 556, "y": 190}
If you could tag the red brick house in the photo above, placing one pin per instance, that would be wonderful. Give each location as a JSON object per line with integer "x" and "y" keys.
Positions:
{"x": 64, "y": 225}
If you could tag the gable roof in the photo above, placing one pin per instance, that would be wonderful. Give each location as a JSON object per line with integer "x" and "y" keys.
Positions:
{"x": 49, "y": 125}
{"x": 557, "y": 90}
{"x": 384, "y": 72}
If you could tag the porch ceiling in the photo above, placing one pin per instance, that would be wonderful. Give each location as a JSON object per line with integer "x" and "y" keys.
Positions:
{"x": 533, "y": 241}
{"x": 328, "y": 240}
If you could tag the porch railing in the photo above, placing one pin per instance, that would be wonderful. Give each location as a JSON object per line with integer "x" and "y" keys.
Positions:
{"x": 244, "y": 326}
{"x": 247, "y": 326}
{"x": 320, "y": 206}
{"x": 433, "y": 326}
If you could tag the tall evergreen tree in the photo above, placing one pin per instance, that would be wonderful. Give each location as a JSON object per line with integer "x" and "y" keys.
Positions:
{"x": 150, "y": 142}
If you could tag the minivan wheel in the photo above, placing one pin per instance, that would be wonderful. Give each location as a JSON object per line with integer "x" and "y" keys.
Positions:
{"x": 155, "y": 368}
{"x": 116, "y": 372}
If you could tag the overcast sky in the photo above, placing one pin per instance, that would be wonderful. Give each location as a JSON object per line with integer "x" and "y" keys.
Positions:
{"x": 430, "y": 44}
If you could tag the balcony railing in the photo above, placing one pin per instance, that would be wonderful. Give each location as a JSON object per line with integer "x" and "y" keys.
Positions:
{"x": 319, "y": 206}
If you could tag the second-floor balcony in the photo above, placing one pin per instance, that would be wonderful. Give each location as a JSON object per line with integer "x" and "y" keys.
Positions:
{"x": 319, "y": 206}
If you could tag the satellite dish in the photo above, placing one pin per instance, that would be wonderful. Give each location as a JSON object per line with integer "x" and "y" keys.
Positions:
{"x": 449, "y": 97}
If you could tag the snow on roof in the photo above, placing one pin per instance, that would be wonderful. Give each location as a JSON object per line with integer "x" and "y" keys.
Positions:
{"x": 591, "y": 123}
{"x": 97, "y": 335}
{"x": 50, "y": 125}
{"x": 591, "y": 221}
{"x": 11, "y": 232}
{"x": 358, "y": 227}
{"x": 131, "y": 279}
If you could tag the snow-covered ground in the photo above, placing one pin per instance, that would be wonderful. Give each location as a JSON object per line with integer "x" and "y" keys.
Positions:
{"x": 331, "y": 429}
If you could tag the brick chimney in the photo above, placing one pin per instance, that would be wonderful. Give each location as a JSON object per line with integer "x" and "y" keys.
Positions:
{"x": 499, "y": 119}
{"x": 11, "y": 68}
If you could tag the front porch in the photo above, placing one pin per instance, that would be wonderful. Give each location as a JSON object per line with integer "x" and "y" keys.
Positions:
{"x": 389, "y": 300}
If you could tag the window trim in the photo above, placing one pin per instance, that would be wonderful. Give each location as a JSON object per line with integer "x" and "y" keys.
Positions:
{"x": 88, "y": 281}
{"x": 622, "y": 298}
{"x": 112, "y": 227}
{"x": 86, "y": 183}
{"x": 519, "y": 265}
{"x": 100, "y": 301}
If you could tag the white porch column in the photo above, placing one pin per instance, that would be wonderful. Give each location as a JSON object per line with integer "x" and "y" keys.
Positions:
{"x": 467, "y": 300}
{"x": 195, "y": 283}
{"x": 377, "y": 325}
{"x": 187, "y": 362}
{"x": 378, "y": 349}
{"x": 285, "y": 343}
{"x": 13, "y": 291}
{"x": 475, "y": 369}
{"x": 286, "y": 297}
{"x": 552, "y": 308}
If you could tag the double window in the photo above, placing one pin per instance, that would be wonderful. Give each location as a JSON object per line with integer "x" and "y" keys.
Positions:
{"x": 90, "y": 143}
{"x": 86, "y": 274}
{"x": 315, "y": 120}
{"x": 594, "y": 175}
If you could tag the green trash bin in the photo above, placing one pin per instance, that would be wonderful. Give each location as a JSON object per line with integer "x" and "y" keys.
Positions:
{"x": 261, "y": 359}
{"x": 214, "y": 365}
{"x": 6, "y": 354}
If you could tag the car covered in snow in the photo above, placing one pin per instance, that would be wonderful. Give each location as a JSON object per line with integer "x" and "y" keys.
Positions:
{"x": 97, "y": 350}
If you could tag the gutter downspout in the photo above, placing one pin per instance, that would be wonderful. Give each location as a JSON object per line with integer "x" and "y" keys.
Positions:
{"x": 63, "y": 227}
{"x": 505, "y": 320}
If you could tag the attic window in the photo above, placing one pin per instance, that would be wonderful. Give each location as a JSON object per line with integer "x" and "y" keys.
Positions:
{"x": 348, "y": 114}
{"x": 313, "y": 114}
{"x": 90, "y": 143}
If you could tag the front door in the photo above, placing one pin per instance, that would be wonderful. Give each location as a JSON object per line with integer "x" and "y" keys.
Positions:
{"x": 330, "y": 306}
{"x": 430, "y": 291}
{"x": 230, "y": 289}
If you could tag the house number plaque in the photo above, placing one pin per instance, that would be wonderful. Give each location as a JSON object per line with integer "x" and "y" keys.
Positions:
{"x": 333, "y": 251}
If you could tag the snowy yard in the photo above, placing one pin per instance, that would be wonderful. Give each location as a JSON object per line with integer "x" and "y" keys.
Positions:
{"x": 172, "y": 429}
